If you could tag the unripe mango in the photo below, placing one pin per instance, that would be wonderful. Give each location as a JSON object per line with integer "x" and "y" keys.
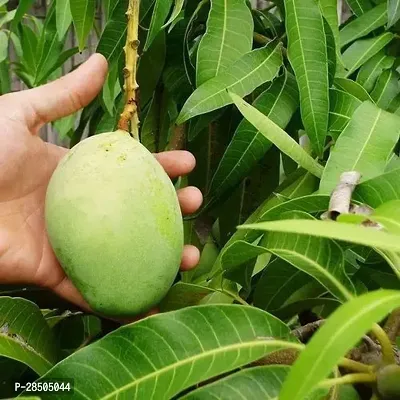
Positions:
{"x": 115, "y": 224}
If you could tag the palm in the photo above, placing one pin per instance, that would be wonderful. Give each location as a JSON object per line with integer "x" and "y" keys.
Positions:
{"x": 26, "y": 254}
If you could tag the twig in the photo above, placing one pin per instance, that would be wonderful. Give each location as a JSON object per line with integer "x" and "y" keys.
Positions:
{"x": 350, "y": 378}
{"x": 387, "y": 350}
{"x": 341, "y": 196}
{"x": 129, "y": 120}
{"x": 392, "y": 325}
{"x": 305, "y": 332}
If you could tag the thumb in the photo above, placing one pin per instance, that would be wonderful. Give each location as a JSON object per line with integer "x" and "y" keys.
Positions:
{"x": 63, "y": 96}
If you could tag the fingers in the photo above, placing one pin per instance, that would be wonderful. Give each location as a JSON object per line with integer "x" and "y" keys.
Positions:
{"x": 176, "y": 163}
{"x": 190, "y": 258}
{"x": 190, "y": 199}
{"x": 62, "y": 97}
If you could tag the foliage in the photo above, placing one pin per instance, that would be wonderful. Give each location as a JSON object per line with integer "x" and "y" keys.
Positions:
{"x": 276, "y": 104}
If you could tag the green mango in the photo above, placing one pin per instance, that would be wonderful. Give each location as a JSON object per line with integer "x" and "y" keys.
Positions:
{"x": 115, "y": 224}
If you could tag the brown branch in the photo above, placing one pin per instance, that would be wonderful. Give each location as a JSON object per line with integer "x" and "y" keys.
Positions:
{"x": 129, "y": 120}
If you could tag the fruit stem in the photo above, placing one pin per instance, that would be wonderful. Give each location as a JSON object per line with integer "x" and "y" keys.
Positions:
{"x": 129, "y": 120}
{"x": 350, "y": 378}
{"x": 386, "y": 345}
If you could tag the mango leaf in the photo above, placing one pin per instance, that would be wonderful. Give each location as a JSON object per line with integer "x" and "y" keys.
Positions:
{"x": 22, "y": 9}
{"x": 318, "y": 257}
{"x": 63, "y": 17}
{"x": 329, "y": 11}
{"x": 113, "y": 38}
{"x": 3, "y": 46}
{"x": 160, "y": 14}
{"x": 373, "y": 68}
{"x": 307, "y": 52}
{"x": 332, "y": 230}
{"x": 343, "y": 106}
{"x": 25, "y": 335}
{"x": 277, "y": 136}
{"x": 29, "y": 43}
{"x": 175, "y": 12}
{"x": 329, "y": 343}
{"x": 279, "y": 279}
{"x": 388, "y": 215}
{"x": 362, "y": 50}
{"x": 83, "y": 13}
{"x": 359, "y": 7}
{"x": 393, "y": 12}
{"x": 151, "y": 65}
{"x": 354, "y": 88}
{"x": 365, "y": 146}
{"x": 363, "y": 25}
{"x": 225, "y": 40}
{"x": 253, "y": 383}
{"x": 248, "y": 144}
{"x": 244, "y": 76}
{"x": 232, "y": 336}
{"x": 386, "y": 88}
{"x": 379, "y": 190}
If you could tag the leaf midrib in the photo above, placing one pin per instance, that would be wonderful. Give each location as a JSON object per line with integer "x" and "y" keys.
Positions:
{"x": 193, "y": 359}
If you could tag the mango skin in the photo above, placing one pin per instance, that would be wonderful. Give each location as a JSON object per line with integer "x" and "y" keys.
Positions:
{"x": 115, "y": 224}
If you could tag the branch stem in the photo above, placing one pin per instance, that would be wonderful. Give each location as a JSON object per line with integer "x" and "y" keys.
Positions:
{"x": 350, "y": 378}
{"x": 129, "y": 119}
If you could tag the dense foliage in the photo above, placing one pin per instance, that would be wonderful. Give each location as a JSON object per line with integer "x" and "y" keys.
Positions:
{"x": 293, "y": 116}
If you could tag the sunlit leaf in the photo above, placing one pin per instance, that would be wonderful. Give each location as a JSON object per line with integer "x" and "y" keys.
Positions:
{"x": 83, "y": 13}
{"x": 386, "y": 88}
{"x": 167, "y": 353}
{"x": 3, "y": 46}
{"x": 329, "y": 343}
{"x": 248, "y": 73}
{"x": 63, "y": 16}
{"x": 307, "y": 51}
{"x": 362, "y": 50}
{"x": 393, "y": 12}
{"x": 354, "y": 88}
{"x": 365, "y": 146}
{"x": 277, "y": 136}
{"x": 366, "y": 23}
{"x": 332, "y": 230}
{"x": 226, "y": 39}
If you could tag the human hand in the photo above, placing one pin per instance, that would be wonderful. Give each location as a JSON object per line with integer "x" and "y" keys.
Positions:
{"x": 27, "y": 164}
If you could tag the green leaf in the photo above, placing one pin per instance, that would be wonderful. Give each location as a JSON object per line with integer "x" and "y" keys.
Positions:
{"x": 332, "y": 230}
{"x": 279, "y": 279}
{"x": 329, "y": 343}
{"x": 365, "y": 24}
{"x": 354, "y": 88}
{"x": 359, "y": 7}
{"x": 9, "y": 16}
{"x": 379, "y": 190}
{"x": 388, "y": 215}
{"x": 160, "y": 14}
{"x": 251, "y": 383}
{"x": 83, "y": 13}
{"x": 343, "y": 106}
{"x": 65, "y": 125}
{"x": 386, "y": 88}
{"x": 113, "y": 38}
{"x": 25, "y": 335}
{"x": 277, "y": 136}
{"x": 151, "y": 67}
{"x": 5, "y": 81}
{"x": 362, "y": 50}
{"x": 373, "y": 68}
{"x": 63, "y": 17}
{"x": 329, "y": 12}
{"x": 318, "y": 257}
{"x": 29, "y": 43}
{"x": 307, "y": 51}
{"x": 3, "y": 46}
{"x": 248, "y": 73}
{"x": 22, "y": 9}
{"x": 167, "y": 353}
{"x": 225, "y": 40}
{"x": 248, "y": 145}
{"x": 365, "y": 146}
{"x": 175, "y": 12}
{"x": 393, "y": 12}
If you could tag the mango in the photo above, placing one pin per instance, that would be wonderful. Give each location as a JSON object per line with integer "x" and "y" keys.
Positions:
{"x": 114, "y": 222}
